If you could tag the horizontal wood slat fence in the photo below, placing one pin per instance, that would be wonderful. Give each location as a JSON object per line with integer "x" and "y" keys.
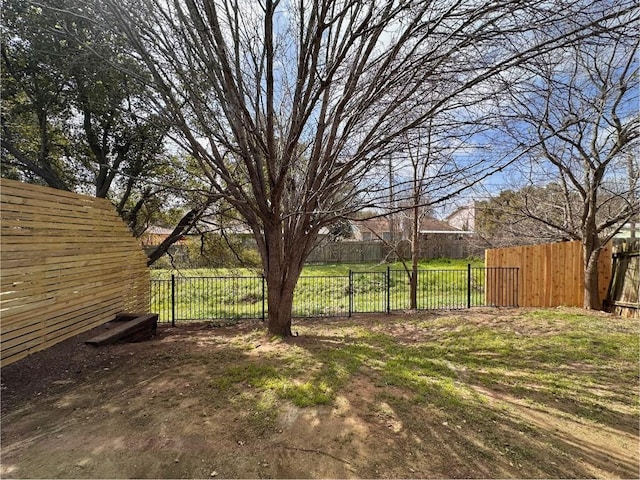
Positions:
{"x": 68, "y": 262}
{"x": 551, "y": 274}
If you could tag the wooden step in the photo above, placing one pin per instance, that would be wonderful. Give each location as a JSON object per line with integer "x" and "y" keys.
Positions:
{"x": 139, "y": 328}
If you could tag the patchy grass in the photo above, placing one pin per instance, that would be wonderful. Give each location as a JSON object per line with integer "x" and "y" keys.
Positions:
{"x": 494, "y": 393}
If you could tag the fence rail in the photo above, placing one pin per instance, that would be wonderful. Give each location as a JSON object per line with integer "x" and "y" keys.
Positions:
{"x": 212, "y": 298}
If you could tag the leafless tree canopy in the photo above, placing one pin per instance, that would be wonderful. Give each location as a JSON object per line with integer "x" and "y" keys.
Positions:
{"x": 580, "y": 113}
{"x": 290, "y": 106}
{"x": 576, "y": 114}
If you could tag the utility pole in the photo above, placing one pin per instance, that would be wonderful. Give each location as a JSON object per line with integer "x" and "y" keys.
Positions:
{"x": 391, "y": 219}
{"x": 633, "y": 182}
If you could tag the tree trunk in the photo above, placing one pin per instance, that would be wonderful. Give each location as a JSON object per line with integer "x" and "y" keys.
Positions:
{"x": 413, "y": 287}
{"x": 283, "y": 261}
{"x": 280, "y": 303}
{"x": 591, "y": 256}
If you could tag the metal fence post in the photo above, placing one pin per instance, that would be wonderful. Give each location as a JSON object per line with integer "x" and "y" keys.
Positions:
{"x": 350, "y": 292}
{"x": 263, "y": 299}
{"x": 173, "y": 300}
{"x": 468, "y": 285}
{"x": 388, "y": 289}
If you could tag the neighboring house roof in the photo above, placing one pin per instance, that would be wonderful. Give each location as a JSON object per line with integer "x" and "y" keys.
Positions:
{"x": 376, "y": 225}
{"x": 431, "y": 225}
{"x": 155, "y": 235}
{"x": 154, "y": 230}
{"x": 427, "y": 225}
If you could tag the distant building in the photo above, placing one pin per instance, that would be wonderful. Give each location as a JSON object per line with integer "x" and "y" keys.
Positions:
{"x": 629, "y": 230}
{"x": 628, "y": 238}
{"x": 399, "y": 228}
{"x": 154, "y": 236}
{"x": 464, "y": 218}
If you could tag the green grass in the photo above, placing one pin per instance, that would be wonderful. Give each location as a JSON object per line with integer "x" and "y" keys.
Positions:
{"x": 305, "y": 378}
{"x": 580, "y": 364}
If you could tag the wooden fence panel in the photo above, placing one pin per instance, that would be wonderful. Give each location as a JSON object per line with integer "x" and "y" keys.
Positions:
{"x": 550, "y": 274}
{"x": 348, "y": 252}
{"x": 68, "y": 264}
{"x": 624, "y": 292}
{"x": 432, "y": 245}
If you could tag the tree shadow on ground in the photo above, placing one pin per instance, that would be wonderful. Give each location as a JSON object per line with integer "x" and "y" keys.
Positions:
{"x": 482, "y": 405}
{"x": 342, "y": 400}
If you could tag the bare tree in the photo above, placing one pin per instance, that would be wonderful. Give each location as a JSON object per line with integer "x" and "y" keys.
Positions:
{"x": 291, "y": 108}
{"x": 439, "y": 161}
{"x": 577, "y": 115}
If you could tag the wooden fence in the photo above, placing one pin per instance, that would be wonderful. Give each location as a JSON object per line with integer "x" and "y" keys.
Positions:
{"x": 348, "y": 252}
{"x": 550, "y": 274}
{"x": 432, "y": 245}
{"x": 624, "y": 291}
{"x": 68, "y": 264}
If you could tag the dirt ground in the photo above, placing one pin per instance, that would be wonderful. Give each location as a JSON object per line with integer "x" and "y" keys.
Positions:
{"x": 147, "y": 410}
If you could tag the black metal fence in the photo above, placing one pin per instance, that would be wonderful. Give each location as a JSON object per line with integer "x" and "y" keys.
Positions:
{"x": 210, "y": 298}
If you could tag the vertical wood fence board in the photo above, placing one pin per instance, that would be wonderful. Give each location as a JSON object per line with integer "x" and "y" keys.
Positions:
{"x": 549, "y": 275}
{"x": 605, "y": 270}
{"x": 624, "y": 294}
{"x": 69, "y": 264}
